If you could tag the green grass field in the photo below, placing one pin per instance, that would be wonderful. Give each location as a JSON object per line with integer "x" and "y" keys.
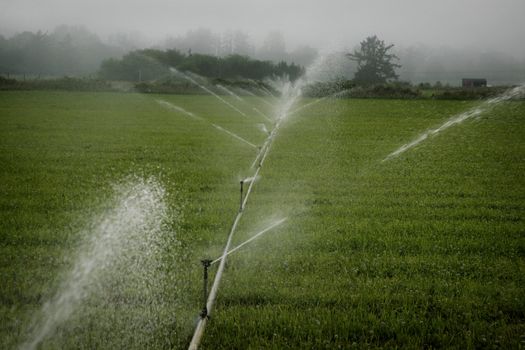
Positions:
{"x": 425, "y": 250}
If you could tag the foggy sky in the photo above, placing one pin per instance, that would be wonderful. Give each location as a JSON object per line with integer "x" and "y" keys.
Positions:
{"x": 485, "y": 25}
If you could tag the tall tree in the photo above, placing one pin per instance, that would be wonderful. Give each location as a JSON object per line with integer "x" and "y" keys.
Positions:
{"x": 375, "y": 64}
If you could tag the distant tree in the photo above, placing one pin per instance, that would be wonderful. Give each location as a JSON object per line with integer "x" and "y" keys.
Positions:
{"x": 152, "y": 64}
{"x": 205, "y": 65}
{"x": 374, "y": 62}
{"x": 135, "y": 66}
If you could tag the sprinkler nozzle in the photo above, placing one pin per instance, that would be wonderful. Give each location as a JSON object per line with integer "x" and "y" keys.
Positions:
{"x": 242, "y": 184}
{"x": 205, "y": 263}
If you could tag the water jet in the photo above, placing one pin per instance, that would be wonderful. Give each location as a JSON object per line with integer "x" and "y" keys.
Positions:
{"x": 190, "y": 79}
{"x": 258, "y": 234}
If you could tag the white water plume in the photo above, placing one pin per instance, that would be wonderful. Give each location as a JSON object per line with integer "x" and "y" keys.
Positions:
{"x": 291, "y": 92}
{"x": 249, "y": 179}
{"x": 263, "y": 128}
{"x": 472, "y": 113}
{"x": 121, "y": 248}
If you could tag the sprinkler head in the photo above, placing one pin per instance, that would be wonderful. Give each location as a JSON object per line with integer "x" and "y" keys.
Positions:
{"x": 206, "y": 264}
{"x": 204, "y": 313}
{"x": 242, "y": 183}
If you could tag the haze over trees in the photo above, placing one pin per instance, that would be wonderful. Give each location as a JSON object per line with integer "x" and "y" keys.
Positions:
{"x": 273, "y": 48}
{"x": 66, "y": 51}
{"x": 75, "y": 51}
{"x": 153, "y": 64}
{"x": 423, "y": 63}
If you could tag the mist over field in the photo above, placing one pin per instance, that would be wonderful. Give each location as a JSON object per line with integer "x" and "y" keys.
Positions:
{"x": 233, "y": 174}
{"x": 436, "y": 41}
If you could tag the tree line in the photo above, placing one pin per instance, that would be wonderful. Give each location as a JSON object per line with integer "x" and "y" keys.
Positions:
{"x": 72, "y": 51}
{"x": 151, "y": 64}
{"x": 75, "y": 51}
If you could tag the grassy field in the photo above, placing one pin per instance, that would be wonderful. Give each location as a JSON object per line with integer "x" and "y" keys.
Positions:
{"x": 423, "y": 250}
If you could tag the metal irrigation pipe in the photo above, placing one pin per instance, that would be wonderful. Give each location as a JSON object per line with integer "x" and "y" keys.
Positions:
{"x": 201, "y": 325}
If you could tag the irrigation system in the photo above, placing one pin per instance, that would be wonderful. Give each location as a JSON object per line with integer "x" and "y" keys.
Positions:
{"x": 209, "y": 298}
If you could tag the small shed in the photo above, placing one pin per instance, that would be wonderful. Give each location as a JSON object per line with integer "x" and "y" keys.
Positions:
{"x": 473, "y": 82}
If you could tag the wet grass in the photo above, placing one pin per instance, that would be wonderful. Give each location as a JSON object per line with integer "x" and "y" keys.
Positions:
{"x": 424, "y": 250}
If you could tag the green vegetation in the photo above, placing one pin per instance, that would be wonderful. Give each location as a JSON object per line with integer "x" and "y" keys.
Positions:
{"x": 375, "y": 63}
{"x": 401, "y": 90}
{"x": 65, "y": 83}
{"x": 67, "y": 50}
{"x": 425, "y": 250}
{"x": 153, "y": 64}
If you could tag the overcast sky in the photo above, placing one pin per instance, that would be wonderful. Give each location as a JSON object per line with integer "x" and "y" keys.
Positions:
{"x": 484, "y": 25}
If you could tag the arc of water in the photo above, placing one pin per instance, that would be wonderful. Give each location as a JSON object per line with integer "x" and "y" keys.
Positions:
{"x": 258, "y": 97}
{"x": 272, "y": 226}
{"x": 229, "y": 92}
{"x": 474, "y": 112}
{"x": 310, "y": 104}
{"x": 135, "y": 221}
{"x": 239, "y": 98}
{"x": 262, "y": 114}
{"x": 190, "y": 79}
{"x": 234, "y": 135}
{"x": 268, "y": 92}
{"x": 178, "y": 109}
{"x": 192, "y": 115}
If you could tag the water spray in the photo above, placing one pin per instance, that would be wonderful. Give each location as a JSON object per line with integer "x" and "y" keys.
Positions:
{"x": 234, "y": 135}
{"x": 239, "y": 98}
{"x": 275, "y": 224}
{"x": 194, "y": 116}
{"x": 190, "y": 79}
{"x": 458, "y": 119}
{"x": 175, "y": 108}
{"x": 292, "y": 93}
{"x": 263, "y": 128}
